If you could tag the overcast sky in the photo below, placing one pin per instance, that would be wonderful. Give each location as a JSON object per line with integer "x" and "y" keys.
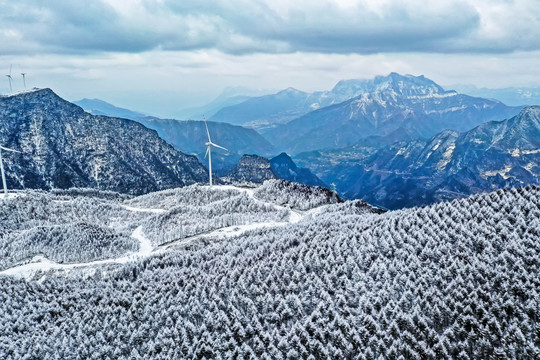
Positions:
{"x": 158, "y": 56}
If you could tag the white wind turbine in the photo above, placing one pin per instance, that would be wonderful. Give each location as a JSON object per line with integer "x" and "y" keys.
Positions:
{"x": 209, "y": 145}
{"x": 10, "y": 79}
{"x": 2, "y": 168}
{"x": 24, "y": 79}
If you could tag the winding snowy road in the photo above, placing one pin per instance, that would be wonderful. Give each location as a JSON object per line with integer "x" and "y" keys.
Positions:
{"x": 40, "y": 264}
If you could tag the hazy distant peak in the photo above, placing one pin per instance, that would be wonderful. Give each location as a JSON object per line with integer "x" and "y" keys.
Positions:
{"x": 408, "y": 85}
{"x": 100, "y": 107}
{"x": 291, "y": 90}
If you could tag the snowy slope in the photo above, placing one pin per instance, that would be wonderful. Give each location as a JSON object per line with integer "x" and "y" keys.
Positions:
{"x": 453, "y": 280}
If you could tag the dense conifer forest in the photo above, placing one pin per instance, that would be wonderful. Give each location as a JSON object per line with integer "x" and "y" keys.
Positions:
{"x": 456, "y": 280}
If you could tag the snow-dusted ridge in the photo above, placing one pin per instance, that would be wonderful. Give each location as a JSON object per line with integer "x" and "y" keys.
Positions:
{"x": 28, "y": 91}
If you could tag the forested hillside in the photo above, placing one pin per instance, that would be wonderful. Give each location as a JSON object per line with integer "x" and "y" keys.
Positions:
{"x": 63, "y": 147}
{"x": 456, "y": 280}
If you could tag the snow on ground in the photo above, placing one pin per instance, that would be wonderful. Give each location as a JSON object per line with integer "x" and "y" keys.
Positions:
{"x": 156, "y": 211}
{"x": 40, "y": 264}
{"x": 145, "y": 246}
{"x": 518, "y": 152}
{"x": 447, "y": 156}
{"x": 9, "y": 196}
{"x": 502, "y": 172}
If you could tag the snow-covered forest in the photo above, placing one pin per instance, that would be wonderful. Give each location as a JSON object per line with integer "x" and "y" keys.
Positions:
{"x": 86, "y": 225}
{"x": 456, "y": 280}
{"x": 64, "y": 227}
{"x": 295, "y": 195}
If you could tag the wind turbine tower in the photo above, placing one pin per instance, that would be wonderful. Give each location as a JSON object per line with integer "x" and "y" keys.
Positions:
{"x": 2, "y": 168}
{"x": 209, "y": 145}
{"x": 10, "y": 79}
{"x": 24, "y": 79}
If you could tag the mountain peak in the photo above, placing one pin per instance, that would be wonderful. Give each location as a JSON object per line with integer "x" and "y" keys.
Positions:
{"x": 39, "y": 97}
{"x": 65, "y": 147}
{"x": 529, "y": 115}
{"x": 283, "y": 158}
{"x": 100, "y": 107}
{"x": 30, "y": 92}
{"x": 533, "y": 110}
{"x": 408, "y": 85}
{"x": 251, "y": 169}
{"x": 290, "y": 90}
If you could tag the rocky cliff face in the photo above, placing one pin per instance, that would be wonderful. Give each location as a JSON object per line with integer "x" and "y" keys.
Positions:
{"x": 285, "y": 169}
{"x": 251, "y": 169}
{"x": 66, "y": 147}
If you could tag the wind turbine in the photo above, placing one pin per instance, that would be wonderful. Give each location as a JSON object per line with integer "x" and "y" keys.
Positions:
{"x": 209, "y": 145}
{"x": 24, "y": 79}
{"x": 10, "y": 79}
{"x": 2, "y": 168}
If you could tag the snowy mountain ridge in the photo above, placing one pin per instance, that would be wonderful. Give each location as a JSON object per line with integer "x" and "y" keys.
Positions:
{"x": 385, "y": 105}
{"x": 64, "y": 146}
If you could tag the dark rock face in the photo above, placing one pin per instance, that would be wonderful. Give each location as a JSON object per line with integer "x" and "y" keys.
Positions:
{"x": 256, "y": 169}
{"x": 450, "y": 165}
{"x": 66, "y": 147}
{"x": 285, "y": 168}
{"x": 251, "y": 169}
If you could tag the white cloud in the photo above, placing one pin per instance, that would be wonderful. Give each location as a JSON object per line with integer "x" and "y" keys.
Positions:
{"x": 271, "y": 26}
{"x": 157, "y": 56}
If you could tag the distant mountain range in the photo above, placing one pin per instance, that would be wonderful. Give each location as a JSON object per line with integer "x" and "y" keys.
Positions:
{"x": 100, "y": 107}
{"x": 407, "y": 105}
{"x": 356, "y": 134}
{"x": 229, "y": 97}
{"x": 268, "y": 111}
{"x": 190, "y": 136}
{"x": 296, "y": 121}
{"x": 64, "y": 146}
{"x": 449, "y": 165}
{"x": 510, "y": 96}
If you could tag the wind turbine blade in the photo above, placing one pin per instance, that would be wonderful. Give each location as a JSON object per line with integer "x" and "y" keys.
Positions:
{"x": 207, "y": 132}
{"x": 207, "y": 150}
{"x": 10, "y": 66}
{"x": 6, "y": 149}
{"x": 221, "y": 147}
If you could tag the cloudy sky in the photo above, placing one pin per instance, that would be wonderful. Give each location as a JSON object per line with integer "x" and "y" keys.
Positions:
{"x": 157, "y": 56}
